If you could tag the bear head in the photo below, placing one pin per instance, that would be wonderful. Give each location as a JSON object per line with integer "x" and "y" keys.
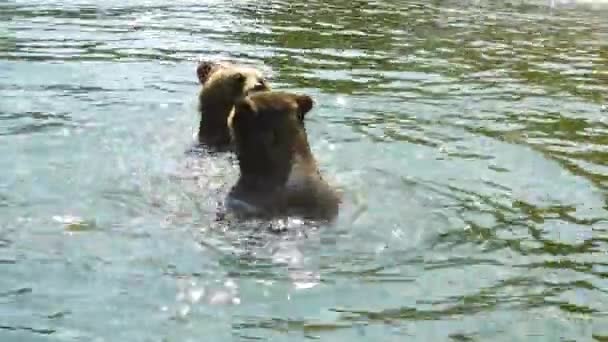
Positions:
{"x": 269, "y": 133}
{"x": 222, "y": 85}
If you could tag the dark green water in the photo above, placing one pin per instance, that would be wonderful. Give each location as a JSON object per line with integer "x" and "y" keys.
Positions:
{"x": 470, "y": 137}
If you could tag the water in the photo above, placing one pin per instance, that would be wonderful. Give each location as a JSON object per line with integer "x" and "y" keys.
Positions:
{"x": 470, "y": 138}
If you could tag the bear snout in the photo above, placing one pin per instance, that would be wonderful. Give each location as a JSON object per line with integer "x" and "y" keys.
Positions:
{"x": 260, "y": 85}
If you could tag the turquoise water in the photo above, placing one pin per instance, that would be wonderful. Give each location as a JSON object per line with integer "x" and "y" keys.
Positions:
{"x": 470, "y": 139}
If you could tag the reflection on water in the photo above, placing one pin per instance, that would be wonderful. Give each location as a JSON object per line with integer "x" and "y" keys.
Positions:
{"x": 469, "y": 137}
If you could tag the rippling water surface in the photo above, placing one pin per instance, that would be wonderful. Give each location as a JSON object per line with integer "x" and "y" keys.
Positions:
{"x": 470, "y": 138}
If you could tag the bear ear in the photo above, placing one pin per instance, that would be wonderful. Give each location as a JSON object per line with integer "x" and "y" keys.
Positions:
{"x": 204, "y": 70}
{"x": 305, "y": 104}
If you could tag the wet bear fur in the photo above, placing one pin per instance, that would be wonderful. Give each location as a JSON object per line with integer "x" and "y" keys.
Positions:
{"x": 278, "y": 172}
{"x": 222, "y": 84}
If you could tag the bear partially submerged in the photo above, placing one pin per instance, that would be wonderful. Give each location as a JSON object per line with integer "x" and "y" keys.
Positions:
{"x": 278, "y": 172}
{"x": 222, "y": 85}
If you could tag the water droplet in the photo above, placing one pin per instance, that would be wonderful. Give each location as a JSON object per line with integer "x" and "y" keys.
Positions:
{"x": 397, "y": 233}
{"x": 295, "y": 222}
{"x": 183, "y": 311}
{"x": 196, "y": 294}
{"x": 230, "y": 284}
{"x": 289, "y": 255}
{"x": 304, "y": 286}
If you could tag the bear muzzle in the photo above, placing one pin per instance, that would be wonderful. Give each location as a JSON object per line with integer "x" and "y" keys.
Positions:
{"x": 259, "y": 86}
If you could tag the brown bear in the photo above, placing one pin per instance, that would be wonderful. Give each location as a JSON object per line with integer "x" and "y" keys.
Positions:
{"x": 222, "y": 85}
{"x": 278, "y": 172}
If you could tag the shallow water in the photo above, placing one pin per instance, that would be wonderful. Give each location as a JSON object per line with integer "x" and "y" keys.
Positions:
{"x": 470, "y": 139}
